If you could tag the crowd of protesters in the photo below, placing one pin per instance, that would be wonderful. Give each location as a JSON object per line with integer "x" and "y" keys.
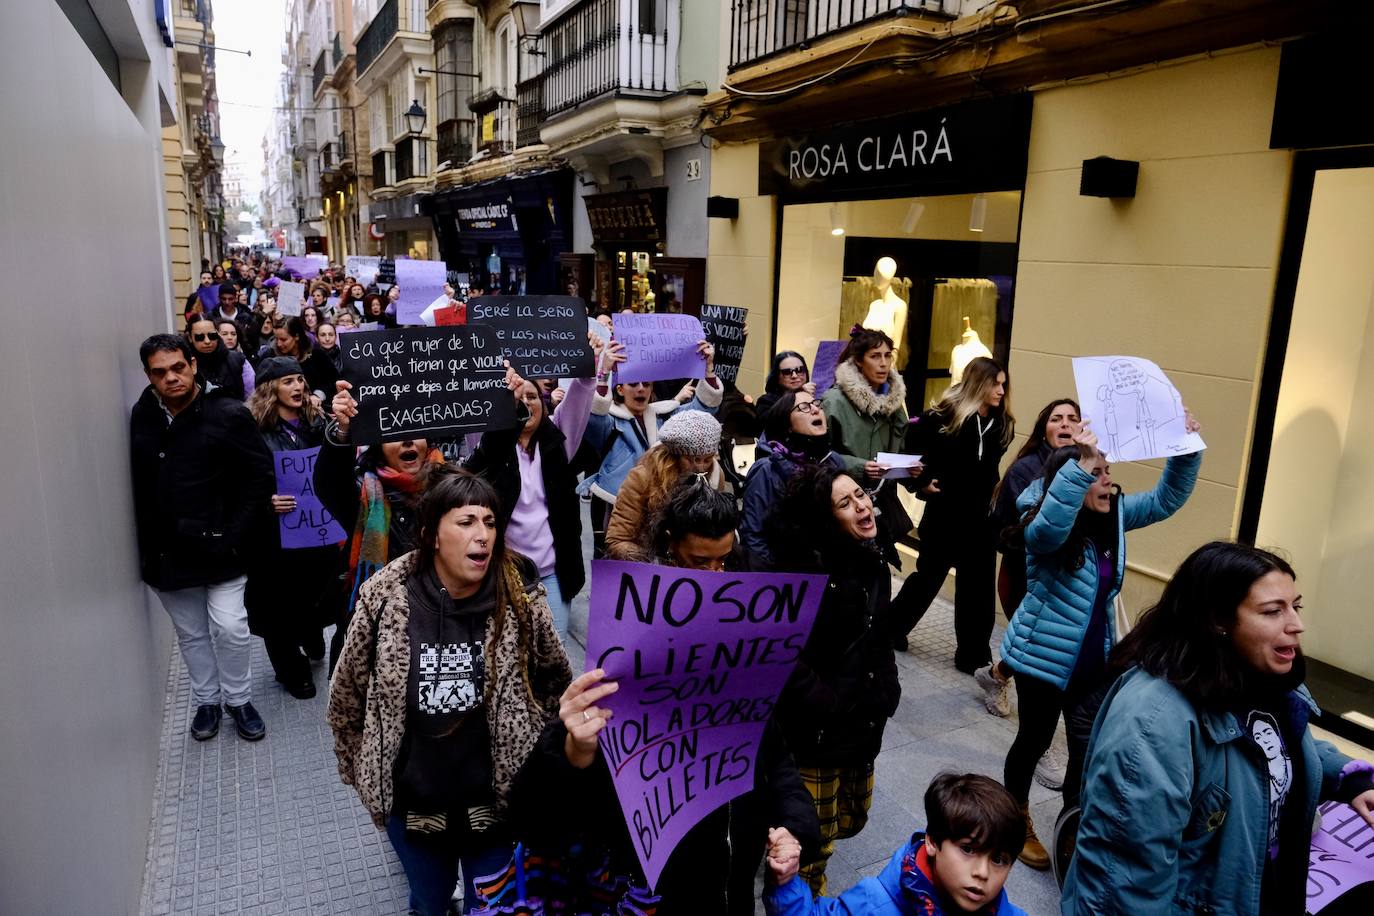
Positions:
{"x": 1192, "y": 779}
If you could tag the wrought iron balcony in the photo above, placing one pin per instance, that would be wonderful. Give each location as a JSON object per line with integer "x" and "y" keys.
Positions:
{"x": 761, "y": 28}
{"x": 609, "y": 46}
{"x": 377, "y": 35}
{"x": 455, "y": 141}
{"x": 529, "y": 111}
{"x": 319, "y": 74}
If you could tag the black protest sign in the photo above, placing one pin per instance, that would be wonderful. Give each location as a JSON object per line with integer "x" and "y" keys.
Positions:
{"x": 386, "y": 272}
{"x": 542, "y": 336}
{"x": 418, "y": 382}
{"x": 724, "y": 327}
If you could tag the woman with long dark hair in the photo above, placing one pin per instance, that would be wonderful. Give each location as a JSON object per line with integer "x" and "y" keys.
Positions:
{"x": 844, "y": 688}
{"x": 789, "y": 373}
{"x": 1054, "y": 428}
{"x": 1074, "y": 531}
{"x": 1203, "y": 778}
{"x": 216, "y": 363}
{"x": 449, "y": 672}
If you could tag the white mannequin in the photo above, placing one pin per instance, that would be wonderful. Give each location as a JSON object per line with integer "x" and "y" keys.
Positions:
{"x": 969, "y": 348}
{"x": 887, "y": 313}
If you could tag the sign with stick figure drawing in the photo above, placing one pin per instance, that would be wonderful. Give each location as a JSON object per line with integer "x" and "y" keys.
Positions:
{"x": 1135, "y": 410}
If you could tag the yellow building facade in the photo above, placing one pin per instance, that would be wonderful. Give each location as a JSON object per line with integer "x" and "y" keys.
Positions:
{"x": 1192, "y": 272}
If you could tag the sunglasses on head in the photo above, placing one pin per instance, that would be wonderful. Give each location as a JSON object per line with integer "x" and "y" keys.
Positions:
{"x": 209, "y": 335}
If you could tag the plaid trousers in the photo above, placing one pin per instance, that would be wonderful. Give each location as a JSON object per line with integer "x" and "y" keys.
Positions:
{"x": 842, "y": 796}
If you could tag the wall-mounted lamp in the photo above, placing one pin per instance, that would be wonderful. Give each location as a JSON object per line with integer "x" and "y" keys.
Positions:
{"x": 525, "y": 14}
{"x": 978, "y": 213}
{"x": 415, "y": 117}
{"x": 913, "y": 216}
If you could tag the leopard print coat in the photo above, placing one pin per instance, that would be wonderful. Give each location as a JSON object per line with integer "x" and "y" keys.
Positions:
{"x": 367, "y": 696}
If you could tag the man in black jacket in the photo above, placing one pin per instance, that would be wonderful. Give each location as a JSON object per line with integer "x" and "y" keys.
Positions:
{"x": 201, "y": 474}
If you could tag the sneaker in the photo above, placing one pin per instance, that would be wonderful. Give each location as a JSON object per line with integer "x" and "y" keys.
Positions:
{"x": 1049, "y": 772}
{"x": 995, "y": 692}
{"x": 206, "y": 723}
{"x": 248, "y": 722}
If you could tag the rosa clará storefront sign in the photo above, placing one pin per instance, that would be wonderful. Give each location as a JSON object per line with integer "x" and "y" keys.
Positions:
{"x": 974, "y": 146}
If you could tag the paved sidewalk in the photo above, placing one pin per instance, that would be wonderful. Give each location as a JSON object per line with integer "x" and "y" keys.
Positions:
{"x": 267, "y": 828}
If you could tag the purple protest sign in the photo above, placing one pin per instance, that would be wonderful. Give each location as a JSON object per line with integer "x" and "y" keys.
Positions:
{"x": 309, "y": 524}
{"x": 209, "y": 297}
{"x": 659, "y": 347}
{"x": 308, "y": 266}
{"x": 1342, "y": 856}
{"x": 823, "y": 366}
{"x": 700, "y": 658}
{"x": 421, "y": 282}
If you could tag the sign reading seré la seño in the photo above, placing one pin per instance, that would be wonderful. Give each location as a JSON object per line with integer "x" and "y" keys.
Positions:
{"x": 976, "y": 146}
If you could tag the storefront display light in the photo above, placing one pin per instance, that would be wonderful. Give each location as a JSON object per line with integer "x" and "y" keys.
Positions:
{"x": 978, "y": 213}
{"x": 836, "y": 220}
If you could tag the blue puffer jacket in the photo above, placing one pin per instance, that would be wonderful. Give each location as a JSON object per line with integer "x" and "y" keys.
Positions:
{"x": 903, "y": 888}
{"x": 615, "y": 434}
{"x": 1176, "y": 806}
{"x": 1046, "y": 632}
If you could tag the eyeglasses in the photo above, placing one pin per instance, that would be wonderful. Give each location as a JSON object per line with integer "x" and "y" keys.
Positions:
{"x": 807, "y": 407}
{"x": 212, "y": 335}
{"x": 799, "y": 370}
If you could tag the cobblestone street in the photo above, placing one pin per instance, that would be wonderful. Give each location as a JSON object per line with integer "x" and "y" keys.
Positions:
{"x": 267, "y": 828}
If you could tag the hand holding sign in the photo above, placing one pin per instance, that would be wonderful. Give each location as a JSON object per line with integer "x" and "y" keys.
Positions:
{"x": 303, "y": 520}
{"x": 583, "y": 719}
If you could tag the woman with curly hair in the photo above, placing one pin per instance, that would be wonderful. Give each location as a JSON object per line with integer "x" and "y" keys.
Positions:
{"x": 450, "y": 670}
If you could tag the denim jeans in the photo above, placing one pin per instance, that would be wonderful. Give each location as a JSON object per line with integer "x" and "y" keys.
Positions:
{"x": 431, "y": 866}
{"x": 560, "y": 608}
{"x": 212, "y": 629}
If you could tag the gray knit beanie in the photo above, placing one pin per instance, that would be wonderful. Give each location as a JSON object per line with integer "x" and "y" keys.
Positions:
{"x": 690, "y": 432}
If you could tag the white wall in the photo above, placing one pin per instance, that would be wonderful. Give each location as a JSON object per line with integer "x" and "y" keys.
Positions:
{"x": 83, "y": 250}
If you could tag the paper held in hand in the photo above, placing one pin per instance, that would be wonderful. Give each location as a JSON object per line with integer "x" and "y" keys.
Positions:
{"x": 1135, "y": 410}
{"x": 898, "y": 465}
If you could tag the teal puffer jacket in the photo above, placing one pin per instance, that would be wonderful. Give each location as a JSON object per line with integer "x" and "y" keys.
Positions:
{"x": 1176, "y": 806}
{"x": 1046, "y": 632}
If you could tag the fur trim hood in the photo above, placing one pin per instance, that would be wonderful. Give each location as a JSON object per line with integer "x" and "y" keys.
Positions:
{"x": 865, "y": 400}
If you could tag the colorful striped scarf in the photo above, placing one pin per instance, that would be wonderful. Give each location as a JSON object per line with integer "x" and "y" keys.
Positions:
{"x": 369, "y": 548}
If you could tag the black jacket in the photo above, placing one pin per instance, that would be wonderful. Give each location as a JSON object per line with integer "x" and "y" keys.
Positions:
{"x": 496, "y": 460}
{"x": 199, "y": 481}
{"x": 845, "y": 686}
{"x": 224, "y": 369}
{"x": 561, "y": 805}
{"x": 965, "y": 479}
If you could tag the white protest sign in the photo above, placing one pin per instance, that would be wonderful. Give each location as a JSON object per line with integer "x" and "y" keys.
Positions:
{"x": 363, "y": 269}
{"x": 290, "y": 298}
{"x": 898, "y": 465}
{"x": 1135, "y": 410}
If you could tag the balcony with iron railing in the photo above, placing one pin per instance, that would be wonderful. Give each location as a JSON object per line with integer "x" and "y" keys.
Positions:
{"x": 454, "y": 141}
{"x": 394, "y": 16}
{"x": 762, "y": 28}
{"x": 318, "y": 75}
{"x": 529, "y": 111}
{"x": 345, "y": 150}
{"x": 327, "y": 158}
{"x": 609, "y": 47}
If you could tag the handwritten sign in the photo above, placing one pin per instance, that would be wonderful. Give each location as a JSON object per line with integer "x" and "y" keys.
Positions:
{"x": 724, "y": 328}
{"x": 308, "y": 266}
{"x": 1342, "y": 856}
{"x": 290, "y": 298}
{"x": 659, "y": 347}
{"x": 413, "y": 382}
{"x": 700, "y": 658}
{"x": 542, "y": 336}
{"x": 823, "y": 366}
{"x": 209, "y": 297}
{"x": 421, "y": 282}
{"x": 1135, "y": 410}
{"x": 310, "y": 524}
{"x": 362, "y": 268}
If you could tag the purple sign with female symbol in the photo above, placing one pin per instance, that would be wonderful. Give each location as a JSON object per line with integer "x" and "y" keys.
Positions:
{"x": 700, "y": 658}
{"x": 310, "y": 524}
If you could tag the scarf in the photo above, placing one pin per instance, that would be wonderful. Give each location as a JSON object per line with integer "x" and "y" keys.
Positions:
{"x": 806, "y": 449}
{"x": 368, "y": 549}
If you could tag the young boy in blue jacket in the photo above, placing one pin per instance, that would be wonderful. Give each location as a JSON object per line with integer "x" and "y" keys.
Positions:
{"x": 974, "y": 832}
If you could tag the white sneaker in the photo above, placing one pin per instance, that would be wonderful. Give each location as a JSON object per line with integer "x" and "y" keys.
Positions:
{"x": 1049, "y": 772}
{"x": 995, "y": 696}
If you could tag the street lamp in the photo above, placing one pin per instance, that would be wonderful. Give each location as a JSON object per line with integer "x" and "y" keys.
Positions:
{"x": 217, "y": 150}
{"x": 415, "y": 117}
{"x": 525, "y": 14}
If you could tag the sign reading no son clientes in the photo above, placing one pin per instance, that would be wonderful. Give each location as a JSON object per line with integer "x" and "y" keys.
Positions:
{"x": 700, "y": 658}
